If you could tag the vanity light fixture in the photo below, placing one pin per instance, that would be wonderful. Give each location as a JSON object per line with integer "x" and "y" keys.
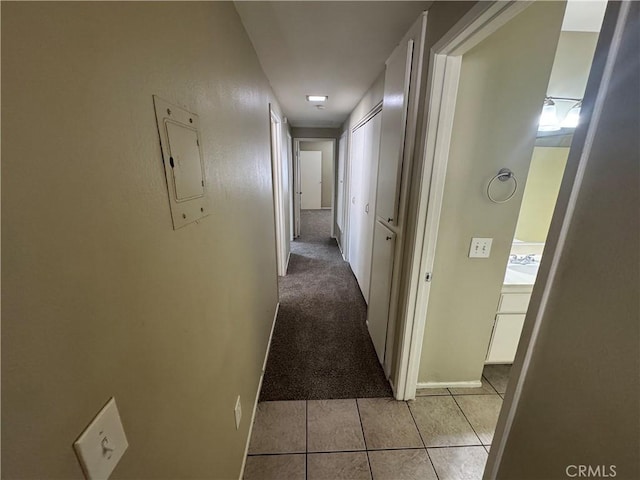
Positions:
{"x": 549, "y": 121}
{"x": 549, "y": 118}
{"x": 317, "y": 98}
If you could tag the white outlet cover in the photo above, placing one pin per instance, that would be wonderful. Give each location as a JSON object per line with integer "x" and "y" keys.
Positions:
{"x": 101, "y": 446}
{"x": 238, "y": 412}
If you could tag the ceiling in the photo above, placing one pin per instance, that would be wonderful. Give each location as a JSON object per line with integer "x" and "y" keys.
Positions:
{"x": 325, "y": 48}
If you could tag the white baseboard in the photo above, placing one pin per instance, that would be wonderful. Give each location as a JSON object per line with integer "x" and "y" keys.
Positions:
{"x": 470, "y": 384}
{"x": 255, "y": 404}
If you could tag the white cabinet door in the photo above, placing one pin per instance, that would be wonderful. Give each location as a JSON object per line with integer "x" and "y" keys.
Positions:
{"x": 310, "y": 180}
{"x": 394, "y": 120}
{"x": 382, "y": 263}
{"x": 505, "y": 338}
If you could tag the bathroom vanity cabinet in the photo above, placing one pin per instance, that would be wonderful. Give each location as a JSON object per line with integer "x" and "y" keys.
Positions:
{"x": 507, "y": 328}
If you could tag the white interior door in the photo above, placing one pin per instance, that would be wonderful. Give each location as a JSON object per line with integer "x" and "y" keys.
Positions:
{"x": 342, "y": 153}
{"x": 378, "y": 312}
{"x": 394, "y": 119}
{"x": 296, "y": 191}
{"x": 369, "y": 179}
{"x": 365, "y": 146}
{"x": 355, "y": 198}
{"x": 310, "y": 180}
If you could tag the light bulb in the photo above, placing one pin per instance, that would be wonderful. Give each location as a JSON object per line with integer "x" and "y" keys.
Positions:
{"x": 573, "y": 117}
{"x": 549, "y": 118}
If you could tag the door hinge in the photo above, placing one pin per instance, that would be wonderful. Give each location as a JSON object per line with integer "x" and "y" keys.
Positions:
{"x": 427, "y": 277}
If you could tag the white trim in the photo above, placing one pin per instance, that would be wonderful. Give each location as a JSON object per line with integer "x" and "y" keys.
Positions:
{"x": 511, "y": 407}
{"x": 469, "y": 384}
{"x": 282, "y": 238}
{"x": 255, "y": 404}
{"x": 286, "y": 267}
{"x": 442, "y": 88}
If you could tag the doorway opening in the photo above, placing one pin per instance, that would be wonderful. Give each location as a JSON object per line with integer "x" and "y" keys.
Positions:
{"x": 314, "y": 187}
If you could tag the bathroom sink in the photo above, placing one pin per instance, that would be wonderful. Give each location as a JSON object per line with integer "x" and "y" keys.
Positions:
{"x": 518, "y": 274}
{"x": 531, "y": 268}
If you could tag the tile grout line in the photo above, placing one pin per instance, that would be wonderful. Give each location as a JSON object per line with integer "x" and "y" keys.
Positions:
{"x": 422, "y": 439}
{"x": 465, "y": 417}
{"x": 306, "y": 439}
{"x": 364, "y": 439}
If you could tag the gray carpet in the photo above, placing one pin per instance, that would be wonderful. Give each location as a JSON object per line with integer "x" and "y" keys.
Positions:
{"x": 321, "y": 348}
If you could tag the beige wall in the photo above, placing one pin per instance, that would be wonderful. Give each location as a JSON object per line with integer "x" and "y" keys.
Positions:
{"x": 498, "y": 102}
{"x": 370, "y": 99}
{"x": 540, "y": 193}
{"x": 327, "y": 150}
{"x": 101, "y": 297}
{"x": 572, "y": 64}
{"x": 579, "y": 397}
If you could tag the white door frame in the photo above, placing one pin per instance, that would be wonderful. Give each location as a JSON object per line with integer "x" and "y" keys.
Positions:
{"x": 296, "y": 143}
{"x": 282, "y": 239}
{"x": 291, "y": 187}
{"x": 442, "y": 88}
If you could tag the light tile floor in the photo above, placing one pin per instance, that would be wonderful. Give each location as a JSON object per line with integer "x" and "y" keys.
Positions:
{"x": 445, "y": 434}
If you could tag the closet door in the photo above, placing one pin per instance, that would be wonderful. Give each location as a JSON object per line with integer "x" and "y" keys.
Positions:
{"x": 394, "y": 121}
{"x": 378, "y": 312}
{"x": 342, "y": 153}
{"x": 355, "y": 198}
{"x": 369, "y": 180}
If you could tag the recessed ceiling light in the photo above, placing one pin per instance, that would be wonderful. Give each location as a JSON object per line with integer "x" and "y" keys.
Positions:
{"x": 316, "y": 98}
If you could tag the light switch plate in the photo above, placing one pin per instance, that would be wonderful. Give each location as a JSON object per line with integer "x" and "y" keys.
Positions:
{"x": 102, "y": 444}
{"x": 480, "y": 247}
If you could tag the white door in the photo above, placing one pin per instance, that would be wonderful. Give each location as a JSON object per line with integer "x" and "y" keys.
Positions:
{"x": 394, "y": 120}
{"x": 310, "y": 180}
{"x": 362, "y": 181}
{"x": 380, "y": 292}
{"x": 342, "y": 153}
{"x": 296, "y": 191}
{"x": 369, "y": 178}
{"x": 355, "y": 198}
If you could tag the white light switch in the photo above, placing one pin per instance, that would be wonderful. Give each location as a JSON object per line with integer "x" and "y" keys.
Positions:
{"x": 102, "y": 444}
{"x": 480, "y": 247}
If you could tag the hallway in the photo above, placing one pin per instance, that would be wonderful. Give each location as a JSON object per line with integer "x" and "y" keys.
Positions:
{"x": 321, "y": 348}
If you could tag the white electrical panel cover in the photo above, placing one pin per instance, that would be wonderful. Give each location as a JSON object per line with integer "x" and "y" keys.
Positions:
{"x": 182, "y": 158}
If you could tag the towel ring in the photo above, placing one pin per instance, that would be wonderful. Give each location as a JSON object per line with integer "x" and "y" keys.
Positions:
{"x": 503, "y": 175}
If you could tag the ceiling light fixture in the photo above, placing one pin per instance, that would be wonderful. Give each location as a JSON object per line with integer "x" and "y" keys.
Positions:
{"x": 317, "y": 98}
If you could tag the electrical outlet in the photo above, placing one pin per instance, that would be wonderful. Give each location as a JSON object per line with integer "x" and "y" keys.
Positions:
{"x": 238, "y": 412}
{"x": 480, "y": 247}
{"x": 101, "y": 446}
